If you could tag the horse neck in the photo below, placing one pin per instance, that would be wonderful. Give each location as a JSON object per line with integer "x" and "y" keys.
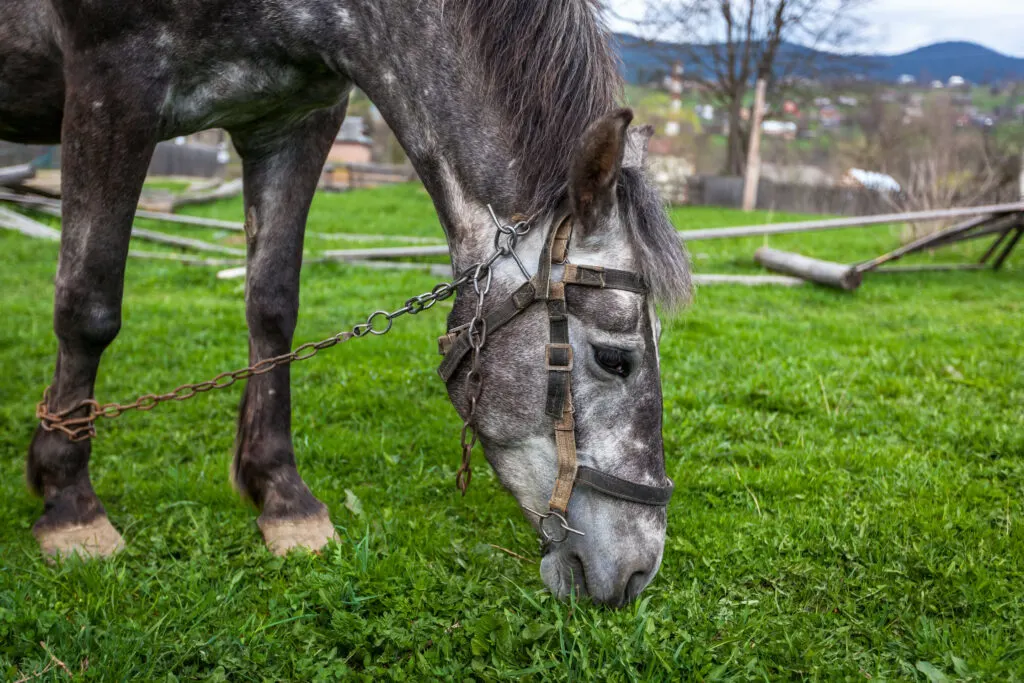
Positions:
{"x": 429, "y": 96}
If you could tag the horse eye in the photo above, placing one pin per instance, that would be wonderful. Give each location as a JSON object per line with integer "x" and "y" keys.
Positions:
{"x": 614, "y": 361}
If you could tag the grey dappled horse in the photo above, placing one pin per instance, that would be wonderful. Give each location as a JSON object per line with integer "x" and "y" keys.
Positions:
{"x": 503, "y": 102}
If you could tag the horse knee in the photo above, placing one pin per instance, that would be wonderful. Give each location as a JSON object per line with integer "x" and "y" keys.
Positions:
{"x": 85, "y": 321}
{"x": 271, "y": 312}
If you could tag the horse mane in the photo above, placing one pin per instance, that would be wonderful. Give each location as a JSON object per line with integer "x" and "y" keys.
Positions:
{"x": 550, "y": 67}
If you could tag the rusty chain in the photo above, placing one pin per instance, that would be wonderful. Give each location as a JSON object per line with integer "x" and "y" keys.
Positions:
{"x": 82, "y": 427}
{"x": 477, "y": 331}
{"x": 378, "y": 323}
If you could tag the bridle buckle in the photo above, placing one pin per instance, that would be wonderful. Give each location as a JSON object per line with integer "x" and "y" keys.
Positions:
{"x": 558, "y": 357}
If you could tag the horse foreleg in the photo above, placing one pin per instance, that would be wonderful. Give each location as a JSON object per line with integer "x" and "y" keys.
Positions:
{"x": 281, "y": 171}
{"x": 108, "y": 142}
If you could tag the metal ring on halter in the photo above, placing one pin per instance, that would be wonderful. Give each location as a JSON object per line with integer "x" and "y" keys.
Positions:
{"x": 512, "y": 234}
{"x": 563, "y": 524}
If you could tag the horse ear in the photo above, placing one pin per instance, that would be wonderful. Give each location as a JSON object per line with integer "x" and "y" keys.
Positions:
{"x": 595, "y": 169}
{"x": 637, "y": 139}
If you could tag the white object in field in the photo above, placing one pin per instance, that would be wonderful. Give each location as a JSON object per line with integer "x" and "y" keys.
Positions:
{"x": 231, "y": 273}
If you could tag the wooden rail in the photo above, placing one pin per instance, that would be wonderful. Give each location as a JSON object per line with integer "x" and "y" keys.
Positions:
{"x": 839, "y": 223}
{"x": 13, "y": 175}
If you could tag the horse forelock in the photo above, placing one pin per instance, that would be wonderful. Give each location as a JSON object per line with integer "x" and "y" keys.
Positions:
{"x": 658, "y": 254}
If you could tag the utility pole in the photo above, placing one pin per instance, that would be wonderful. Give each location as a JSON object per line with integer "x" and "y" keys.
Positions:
{"x": 675, "y": 89}
{"x": 1022, "y": 175}
{"x": 753, "y": 175}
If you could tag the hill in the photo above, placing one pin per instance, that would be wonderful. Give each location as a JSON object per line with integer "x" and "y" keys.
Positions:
{"x": 976, "y": 63}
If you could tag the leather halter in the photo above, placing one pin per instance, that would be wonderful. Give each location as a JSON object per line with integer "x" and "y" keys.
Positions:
{"x": 558, "y": 362}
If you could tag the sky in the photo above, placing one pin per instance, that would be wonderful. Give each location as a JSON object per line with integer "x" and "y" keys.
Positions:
{"x": 901, "y": 25}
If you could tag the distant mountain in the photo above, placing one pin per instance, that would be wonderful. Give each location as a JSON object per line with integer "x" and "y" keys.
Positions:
{"x": 976, "y": 63}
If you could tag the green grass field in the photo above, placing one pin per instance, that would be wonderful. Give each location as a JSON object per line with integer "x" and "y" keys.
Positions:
{"x": 849, "y": 473}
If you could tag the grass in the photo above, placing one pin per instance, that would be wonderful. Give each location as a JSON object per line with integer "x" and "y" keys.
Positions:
{"x": 849, "y": 474}
{"x": 169, "y": 185}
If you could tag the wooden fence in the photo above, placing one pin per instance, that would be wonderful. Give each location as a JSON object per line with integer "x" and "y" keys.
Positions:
{"x": 708, "y": 190}
{"x": 339, "y": 177}
{"x": 190, "y": 159}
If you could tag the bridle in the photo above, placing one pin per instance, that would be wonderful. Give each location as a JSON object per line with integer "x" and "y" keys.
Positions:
{"x": 467, "y": 340}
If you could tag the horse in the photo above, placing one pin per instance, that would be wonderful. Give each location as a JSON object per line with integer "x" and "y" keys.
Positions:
{"x": 508, "y": 110}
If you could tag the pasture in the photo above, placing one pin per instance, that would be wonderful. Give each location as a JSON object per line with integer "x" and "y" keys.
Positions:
{"x": 849, "y": 473}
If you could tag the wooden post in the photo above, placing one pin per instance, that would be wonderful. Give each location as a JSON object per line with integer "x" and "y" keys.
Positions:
{"x": 1022, "y": 175}
{"x": 753, "y": 176}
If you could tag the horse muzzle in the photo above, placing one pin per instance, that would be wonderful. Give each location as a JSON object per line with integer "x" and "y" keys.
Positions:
{"x": 614, "y": 557}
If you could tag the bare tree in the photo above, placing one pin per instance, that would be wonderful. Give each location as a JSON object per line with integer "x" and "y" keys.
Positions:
{"x": 726, "y": 45}
{"x": 939, "y": 160}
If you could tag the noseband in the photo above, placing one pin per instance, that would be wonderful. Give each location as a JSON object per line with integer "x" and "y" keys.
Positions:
{"x": 558, "y": 363}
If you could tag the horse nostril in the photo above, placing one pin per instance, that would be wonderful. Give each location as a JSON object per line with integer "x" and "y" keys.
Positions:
{"x": 636, "y": 583}
{"x": 577, "y": 573}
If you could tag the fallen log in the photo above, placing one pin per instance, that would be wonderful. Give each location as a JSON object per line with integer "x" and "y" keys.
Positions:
{"x": 823, "y": 272}
{"x": 169, "y": 204}
{"x": 29, "y": 188}
{"x": 435, "y": 269}
{"x": 26, "y": 226}
{"x": 184, "y": 242}
{"x": 52, "y": 203}
{"x": 935, "y": 268}
{"x": 231, "y": 188}
{"x": 163, "y": 238}
{"x": 14, "y": 175}
{"x": 362, "y": 237}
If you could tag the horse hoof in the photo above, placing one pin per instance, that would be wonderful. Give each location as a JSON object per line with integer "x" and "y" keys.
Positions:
{"x": 306, "y": 533}
{"x": 94, "y": 539}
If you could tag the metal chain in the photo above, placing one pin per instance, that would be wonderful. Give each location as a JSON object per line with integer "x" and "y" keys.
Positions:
{"x": 378, "y": 323}
{"x": 477, "y": 331}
